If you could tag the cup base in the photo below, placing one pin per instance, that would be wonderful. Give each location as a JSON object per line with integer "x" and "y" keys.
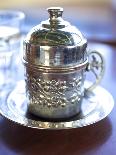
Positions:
{"x": 46, "y": 119}
{"x": 55, "y": 114}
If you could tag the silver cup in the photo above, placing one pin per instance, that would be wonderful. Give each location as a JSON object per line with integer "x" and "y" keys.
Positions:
{"x": 56, "y": 60}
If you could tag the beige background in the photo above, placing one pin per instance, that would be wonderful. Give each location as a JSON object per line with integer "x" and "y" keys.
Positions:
{"x": 42, "y": 3}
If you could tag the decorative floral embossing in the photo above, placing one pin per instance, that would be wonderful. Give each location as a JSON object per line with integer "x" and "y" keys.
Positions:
{"x": 53, "y": 93}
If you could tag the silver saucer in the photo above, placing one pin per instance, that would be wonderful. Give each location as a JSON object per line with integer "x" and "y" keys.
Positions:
{"x": 96, "y": 106}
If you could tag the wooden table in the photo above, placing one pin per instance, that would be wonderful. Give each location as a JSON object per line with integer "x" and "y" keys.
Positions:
{"x": 96, "y": 139}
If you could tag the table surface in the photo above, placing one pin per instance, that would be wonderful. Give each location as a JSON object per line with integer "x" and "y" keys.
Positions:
{"x": 96, "y": 139}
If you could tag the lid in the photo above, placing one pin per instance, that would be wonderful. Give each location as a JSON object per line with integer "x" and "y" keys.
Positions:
{"x": 55, "y": 42}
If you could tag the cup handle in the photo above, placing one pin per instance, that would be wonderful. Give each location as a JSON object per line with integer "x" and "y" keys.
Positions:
{"x": 97, "y": 66}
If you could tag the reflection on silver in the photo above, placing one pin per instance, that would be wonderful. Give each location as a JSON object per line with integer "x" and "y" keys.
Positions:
{"x": 95, "y": 107}
{"x": 55, "y": 95}
{"x": 55, "y": 53}
{"x": 52, "y": 93}
{"x": 97, "y": 67}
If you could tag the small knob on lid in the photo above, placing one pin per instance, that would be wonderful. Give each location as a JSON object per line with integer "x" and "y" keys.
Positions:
{"x": 55, "y": 21}
{"x": 55, "y": 12}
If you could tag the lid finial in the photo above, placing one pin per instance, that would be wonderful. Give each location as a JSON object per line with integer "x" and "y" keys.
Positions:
{"x": 55, "y": 12}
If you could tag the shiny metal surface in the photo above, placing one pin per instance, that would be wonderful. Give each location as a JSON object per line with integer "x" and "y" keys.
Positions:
{"x": 96, "y": 65}
{"x": 55, "y": 95}
{"x": 58, "y": 94}
{"x": 55, "y": 42}
{"x": 95, "y": 107}
{"x": 56, "y": 60}
{"x": 55, "y": 56}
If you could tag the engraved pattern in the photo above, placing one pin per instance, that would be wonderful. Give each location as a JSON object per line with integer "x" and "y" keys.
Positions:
{"x": 97, "y": 67}
{"x": 53, "y": 93}
{"x": 18, "y": 114}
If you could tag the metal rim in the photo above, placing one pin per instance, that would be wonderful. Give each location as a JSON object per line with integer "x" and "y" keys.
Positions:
{"x": 56, "y": 69}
